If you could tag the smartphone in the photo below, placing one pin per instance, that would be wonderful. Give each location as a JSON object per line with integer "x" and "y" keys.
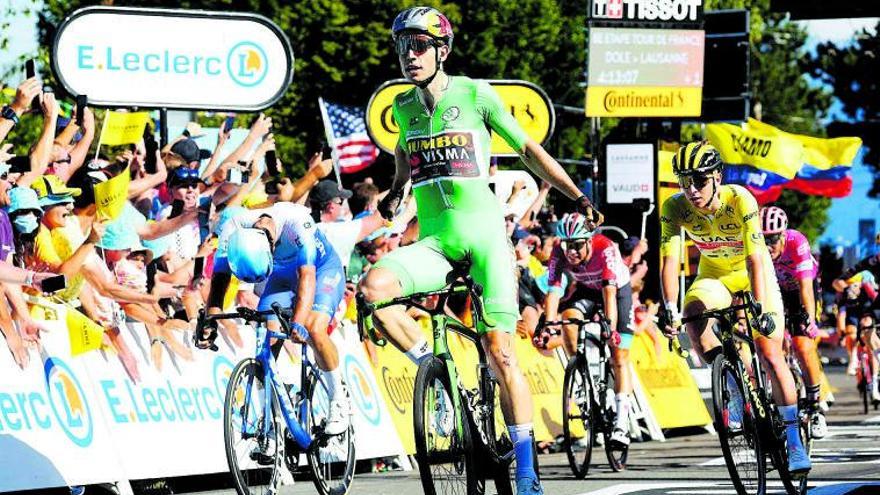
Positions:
{"x": 235, "y": 176}
{"x": 151, "y": 276}
{"x": 326, "y": 151}
{"x": 30, "y": 70}
{"x": 19, "y": 164}
{"x": 198, "y": 269}
{"x": 228, "y": 124}
{"x": 272, "y": 187}
{"x": 176, "y": 208}
{"x": 54, "y": 284}
{"x": 271, "y": 163}
{"x": 150, "y": 148}
{"x": 81, "y": 102}
{"x": 204, "y": 217}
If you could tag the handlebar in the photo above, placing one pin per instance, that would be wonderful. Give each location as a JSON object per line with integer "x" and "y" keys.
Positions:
{"x": 749, "y": 305}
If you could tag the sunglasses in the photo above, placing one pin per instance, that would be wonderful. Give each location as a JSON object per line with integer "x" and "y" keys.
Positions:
{"x": 772, "y": 238}
{"x": 573, "y": 245}
{"x": 418, "y": 43}
{"x": 187, "y": 185}
{"x": 697, "y": 181}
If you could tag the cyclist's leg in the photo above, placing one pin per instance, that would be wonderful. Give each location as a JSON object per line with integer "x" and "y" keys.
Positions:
{"x": 620, "y": 355}
{"x": 580, "y": 306}
{"x": 705, "y": 293}
{"x": 419, "y": 267}
{"x": 493, "y": 267}
{"x": 868, "y": 338}
{"x": 803, "y": 344}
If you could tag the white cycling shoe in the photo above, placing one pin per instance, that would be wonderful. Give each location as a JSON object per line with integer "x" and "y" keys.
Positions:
{"x": 444, "y": 416}
{"x": 620, "y": 437}
{"x": 818, "y": 426}
{"x": 338, "y": 418}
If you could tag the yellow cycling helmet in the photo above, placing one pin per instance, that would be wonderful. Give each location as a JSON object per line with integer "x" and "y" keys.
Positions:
{"x": 698, "y": 157}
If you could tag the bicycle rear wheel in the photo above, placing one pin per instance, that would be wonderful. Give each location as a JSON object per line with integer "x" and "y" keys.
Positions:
{"x": 443, "y": 445}
{"x": 254, "y": 458}
{"x": 331, "y": 459}
{"x": 737, "y": 432}
{"x": 577, "y": 420}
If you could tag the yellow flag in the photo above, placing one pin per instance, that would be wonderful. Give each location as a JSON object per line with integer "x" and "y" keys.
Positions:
{"x": 123, "y": 127}
{"x": 759, "y": 145}
{"x": 85, "y": 335}
{"x": 824, "y": 154}
{"x": 110, "y": 196}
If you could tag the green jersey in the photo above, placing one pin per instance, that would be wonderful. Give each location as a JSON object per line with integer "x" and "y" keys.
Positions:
{"x": 448, "y": 149}
{"x": 459, "y": 217}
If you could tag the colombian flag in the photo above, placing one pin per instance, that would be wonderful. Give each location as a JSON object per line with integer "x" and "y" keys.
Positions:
{"x": 765, "y": 160}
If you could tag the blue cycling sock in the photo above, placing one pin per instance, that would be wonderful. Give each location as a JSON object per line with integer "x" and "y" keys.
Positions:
{"x": 521, "y": 436}
{"x": 790, "y": 416}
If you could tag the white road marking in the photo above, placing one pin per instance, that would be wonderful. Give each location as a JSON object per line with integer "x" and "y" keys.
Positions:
{"x": 725, "y": 488}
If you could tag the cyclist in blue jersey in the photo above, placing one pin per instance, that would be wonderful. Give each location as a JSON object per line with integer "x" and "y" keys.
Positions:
{"x": 281, "y": 246}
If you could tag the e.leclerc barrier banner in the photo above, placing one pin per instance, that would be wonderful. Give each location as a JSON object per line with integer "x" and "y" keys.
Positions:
{"x": 81, "y": 420}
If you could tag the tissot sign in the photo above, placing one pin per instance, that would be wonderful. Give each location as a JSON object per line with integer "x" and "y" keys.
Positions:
{"x": 647, "y": 10}
{"x": 155, "y": 58}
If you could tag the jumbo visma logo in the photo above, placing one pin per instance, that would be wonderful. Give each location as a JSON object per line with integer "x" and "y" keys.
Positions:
{"x": 68, "y": 403}
{"x": 246, "y": 63}
{"x": 362, "y": 392}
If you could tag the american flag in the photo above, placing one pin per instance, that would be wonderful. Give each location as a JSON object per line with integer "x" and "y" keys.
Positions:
{"x": 347, "y": 131}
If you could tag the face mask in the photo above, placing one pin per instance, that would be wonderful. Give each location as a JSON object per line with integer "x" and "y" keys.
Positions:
{"x": 26, "y": 224}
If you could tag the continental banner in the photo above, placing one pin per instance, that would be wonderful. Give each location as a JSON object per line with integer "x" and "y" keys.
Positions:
{"x": 672, "y": 394}
{"x": 656, "y": 101}
{"x": 528, "y": 104}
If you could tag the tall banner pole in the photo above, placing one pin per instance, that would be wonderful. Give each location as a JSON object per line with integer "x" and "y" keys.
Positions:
{"x": 328, "y": 134}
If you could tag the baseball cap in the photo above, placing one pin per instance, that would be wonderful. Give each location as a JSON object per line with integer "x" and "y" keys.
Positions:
{"x": 326, "y": 190}
{"x": 189, "y": 150}
{"x": 52, "y": 191}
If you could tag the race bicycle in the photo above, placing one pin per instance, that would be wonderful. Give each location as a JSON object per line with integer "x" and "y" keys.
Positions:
{"x": 865, "y": 375}
{"x": 748, "y": 423}
{"x": 267, "y": 422}
{"x": 588, "y": 400}
{"x": 460, "y": 436}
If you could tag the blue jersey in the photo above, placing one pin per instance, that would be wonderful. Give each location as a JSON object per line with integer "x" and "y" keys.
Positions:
{"x": 299, "y": 242}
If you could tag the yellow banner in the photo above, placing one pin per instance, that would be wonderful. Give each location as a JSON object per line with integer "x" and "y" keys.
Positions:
{"x": 85, "y": 335}
{"x": 759, "y": 145}
{"x": 123, "y": 127}
{"x": 528, "y": 104}
{"x": 654, "y": 101}
{"x": 672, "y": 394}
{"x": 827, "y": 153}
{"x": 111, "y": 195}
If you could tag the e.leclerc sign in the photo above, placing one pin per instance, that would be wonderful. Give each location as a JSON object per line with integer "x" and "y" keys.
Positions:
{"x": 155, "y": 58}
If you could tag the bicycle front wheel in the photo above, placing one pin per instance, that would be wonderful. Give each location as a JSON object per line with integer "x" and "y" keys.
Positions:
{"x": 443, "y": 445}
{"x": 577, "y": 421}
{"x": 737, "y": 431}
{"x": 331, "y": 458}
{"x": 617, "y": 454}
{"x": 252, "y": 455}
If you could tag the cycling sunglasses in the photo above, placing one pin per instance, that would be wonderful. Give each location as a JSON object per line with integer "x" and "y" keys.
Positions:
{"x": 185, "y": 176}
{"x": 573, "y": 245}
{"x": 771, "y": 239}
{"x": 418, "y": 43}
{"x": 698, "y": 181}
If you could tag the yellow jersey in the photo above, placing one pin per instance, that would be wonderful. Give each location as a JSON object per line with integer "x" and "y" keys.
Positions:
{"x": 725, "y": 238}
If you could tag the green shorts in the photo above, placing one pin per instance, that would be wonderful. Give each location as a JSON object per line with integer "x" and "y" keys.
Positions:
{"x": 453, "y": 237}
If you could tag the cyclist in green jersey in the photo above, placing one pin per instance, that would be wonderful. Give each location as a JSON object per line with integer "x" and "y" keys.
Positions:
{"x": 444, "y": 149}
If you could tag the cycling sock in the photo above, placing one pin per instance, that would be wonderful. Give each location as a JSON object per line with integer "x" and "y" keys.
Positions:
{"x": 419, "y": 352}
{"x": 790, "y": 417}
{"x": 813, "y": 393}
{"x": 521, "y": 436}
{"x": 622, "y": 420}
{"x": 334, "y": 384}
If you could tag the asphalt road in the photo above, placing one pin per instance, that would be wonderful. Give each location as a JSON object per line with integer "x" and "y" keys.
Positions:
{"x": 846, "y": 461}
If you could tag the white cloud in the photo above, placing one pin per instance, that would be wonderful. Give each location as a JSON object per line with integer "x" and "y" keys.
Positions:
{"x": 839, "y": 31}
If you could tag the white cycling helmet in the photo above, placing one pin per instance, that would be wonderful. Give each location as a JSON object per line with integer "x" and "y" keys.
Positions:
{"x": 250, "y": 255}
{"x": 773, "y": 220}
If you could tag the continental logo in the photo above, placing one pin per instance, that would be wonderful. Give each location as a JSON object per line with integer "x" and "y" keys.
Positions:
{"x": 399, "y": 387}
{"x": 616, "y": 101}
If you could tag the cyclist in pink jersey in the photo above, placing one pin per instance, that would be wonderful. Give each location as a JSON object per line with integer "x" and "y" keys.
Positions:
{"x": 593, "y": 264}
{"x": 796, "y": 271}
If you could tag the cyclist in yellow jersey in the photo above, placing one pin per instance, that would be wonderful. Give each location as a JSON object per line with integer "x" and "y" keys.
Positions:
{"x": 723, "y": 222}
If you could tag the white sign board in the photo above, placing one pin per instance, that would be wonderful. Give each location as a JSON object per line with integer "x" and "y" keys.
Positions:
{"x": 158, "y": 58}
{"x": 630, "y": 172}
